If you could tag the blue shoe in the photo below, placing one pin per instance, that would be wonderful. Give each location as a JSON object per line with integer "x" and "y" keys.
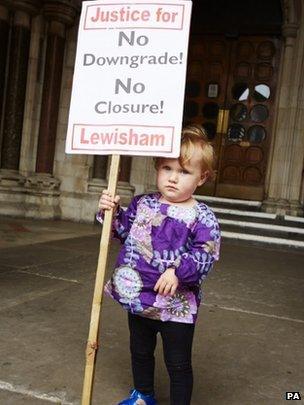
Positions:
{"x": 135, "y": 395}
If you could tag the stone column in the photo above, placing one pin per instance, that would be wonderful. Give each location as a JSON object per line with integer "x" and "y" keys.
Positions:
{"x": 4, "y": 31}
{"x": 33, "y": 97}
{"x": 15, "y": 90}
{"x": 42, "y": 185}
{"x": 59, "y": 14}
{"x": 283, "y": 193}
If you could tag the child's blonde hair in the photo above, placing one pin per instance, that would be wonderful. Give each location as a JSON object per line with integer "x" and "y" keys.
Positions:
{"x": 194, "y": 136}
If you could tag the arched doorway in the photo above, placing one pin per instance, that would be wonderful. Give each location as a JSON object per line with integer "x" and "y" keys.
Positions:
{"x": 232, "y": 76}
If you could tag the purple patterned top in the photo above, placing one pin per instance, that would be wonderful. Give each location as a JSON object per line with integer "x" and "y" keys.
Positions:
{"x": 156, "y": 236}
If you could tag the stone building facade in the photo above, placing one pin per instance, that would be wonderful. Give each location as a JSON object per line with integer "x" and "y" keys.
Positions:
{"x": 37, "y": 179}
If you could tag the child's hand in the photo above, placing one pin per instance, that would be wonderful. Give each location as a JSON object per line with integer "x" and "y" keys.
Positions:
{"x": 167, "y": 283}
{"x": 107, "y": 202}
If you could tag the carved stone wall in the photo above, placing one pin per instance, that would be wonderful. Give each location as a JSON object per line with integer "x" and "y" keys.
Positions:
{"x": 285, "y": 171}
{"x": 30, "y": 60}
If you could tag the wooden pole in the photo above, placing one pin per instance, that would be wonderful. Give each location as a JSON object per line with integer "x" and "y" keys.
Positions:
{"x": 92, "y": 344}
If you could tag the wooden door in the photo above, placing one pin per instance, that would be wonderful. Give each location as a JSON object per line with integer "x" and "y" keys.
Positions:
{"x": 237, "y": 75}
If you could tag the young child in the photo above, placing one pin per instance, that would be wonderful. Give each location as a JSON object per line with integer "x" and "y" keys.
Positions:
{"x": 170, "y": 242}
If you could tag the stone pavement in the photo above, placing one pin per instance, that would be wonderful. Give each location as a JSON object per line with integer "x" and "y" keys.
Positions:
{"x": 248, "y": 345}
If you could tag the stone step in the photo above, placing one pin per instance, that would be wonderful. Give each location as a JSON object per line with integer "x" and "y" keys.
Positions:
{"x": 245, "y": 205}
{"x": 264, "y": 240}
{"x": 255, "y": 216}
{"x": 243, "y": 220}
{"x": 262, "y": 229}
{"x": 258, "y": 217}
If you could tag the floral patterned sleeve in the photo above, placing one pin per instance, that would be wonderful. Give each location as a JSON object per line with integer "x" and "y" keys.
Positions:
{"x": 122, "y": 221}
{"x": 203, "y": 250}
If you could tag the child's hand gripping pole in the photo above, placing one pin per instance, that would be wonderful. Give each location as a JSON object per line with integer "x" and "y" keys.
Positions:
{"x": 107, "y": 202}
{"x": 92, "y": 343}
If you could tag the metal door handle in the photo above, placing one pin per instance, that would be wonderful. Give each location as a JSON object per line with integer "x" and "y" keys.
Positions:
{"x": 222, "y": 121}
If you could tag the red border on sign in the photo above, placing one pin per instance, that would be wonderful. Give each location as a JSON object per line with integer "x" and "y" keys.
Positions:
{"x": 130, "y": 27}
{"x": 124, "y": 125}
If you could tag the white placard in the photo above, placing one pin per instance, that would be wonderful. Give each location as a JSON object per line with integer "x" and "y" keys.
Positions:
{"x": 129, "y": 79}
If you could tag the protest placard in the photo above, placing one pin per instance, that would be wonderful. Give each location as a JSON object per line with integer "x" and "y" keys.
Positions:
{"x": 127, "y": 99}
{"x": 129, "y": 79}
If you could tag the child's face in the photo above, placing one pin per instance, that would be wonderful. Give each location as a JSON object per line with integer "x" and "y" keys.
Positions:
{"x": 177, "y": 183}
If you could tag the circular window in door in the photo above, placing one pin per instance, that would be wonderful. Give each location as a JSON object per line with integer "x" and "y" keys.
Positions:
{"x": 238, "y": 112}
{"x": 256, "y": 134}
{"x": 236, "y": 133}
{"x": 240, "y": 91}
{"x": 261, "y": 93}
{"x": 259, "y": 113}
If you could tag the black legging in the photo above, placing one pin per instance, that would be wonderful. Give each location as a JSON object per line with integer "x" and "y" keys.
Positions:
{"x": 177, "y": 340}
